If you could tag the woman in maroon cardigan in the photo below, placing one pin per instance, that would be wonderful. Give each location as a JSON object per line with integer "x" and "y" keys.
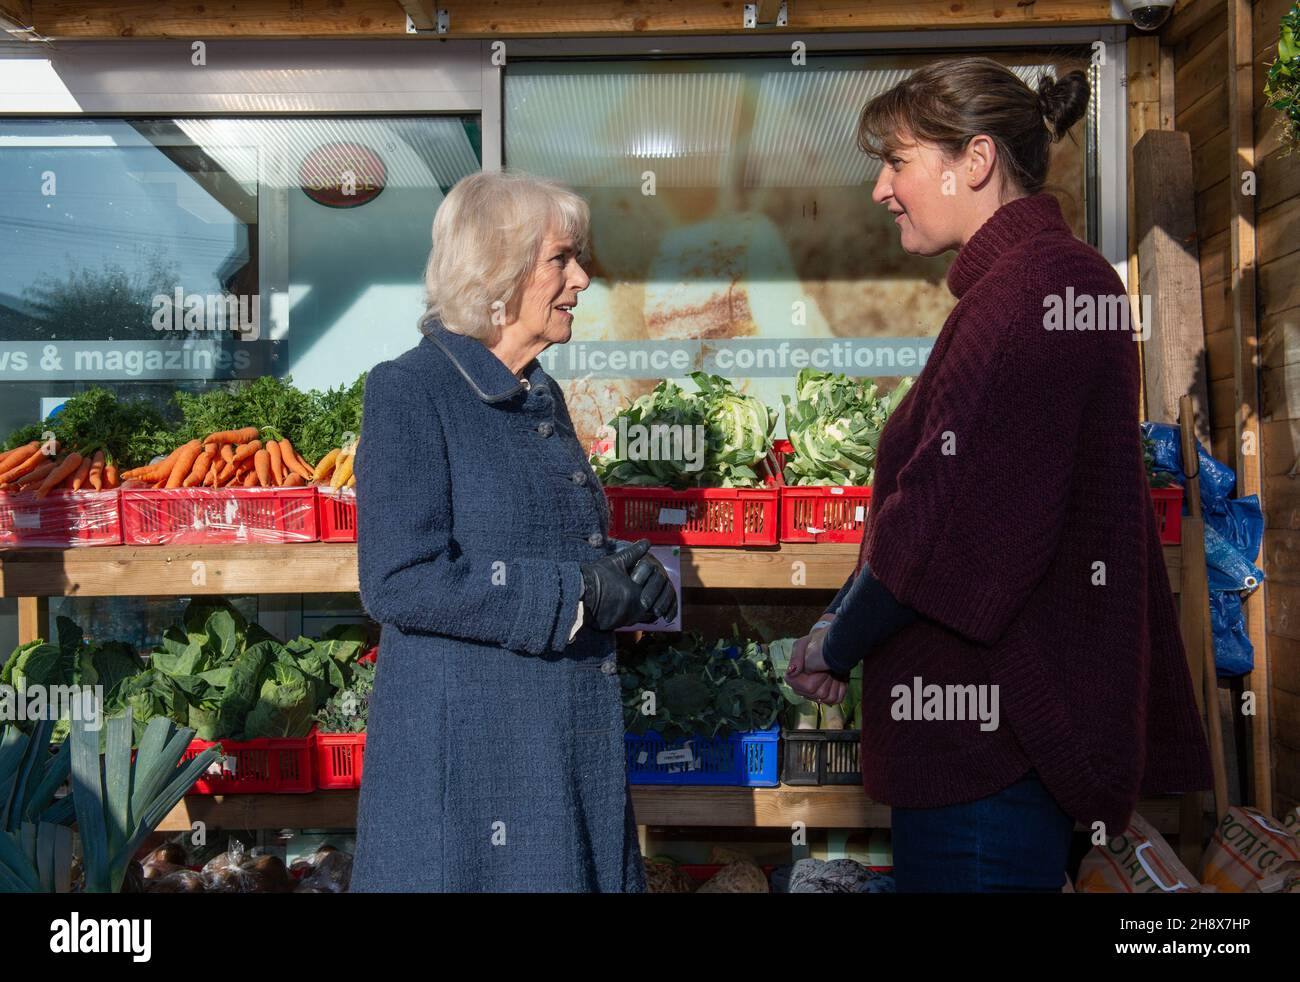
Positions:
{"x": 1022, "y": 667}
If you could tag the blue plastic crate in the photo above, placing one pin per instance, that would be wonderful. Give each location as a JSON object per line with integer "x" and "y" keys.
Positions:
{"x": 747, "y": 760}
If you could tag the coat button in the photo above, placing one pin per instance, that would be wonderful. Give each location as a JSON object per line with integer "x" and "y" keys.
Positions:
{"x": 596, "y": 539}
{"x": 609, "y": 666}
{"x": 545, "y": 428}
{"x": 578, "y": 477}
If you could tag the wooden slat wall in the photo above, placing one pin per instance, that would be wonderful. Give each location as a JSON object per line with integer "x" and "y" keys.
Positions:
{"x": 1201, "y": 111}
{"x": 1201, "y": 59}
{"x": 1278, "y": 233}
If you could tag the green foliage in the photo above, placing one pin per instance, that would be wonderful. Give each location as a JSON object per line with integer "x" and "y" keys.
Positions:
{"x": 334, "y": 414}
{"x": 835, "y": 424}
{"x": 698, "y": 688}
{"x": 1282, "y": 83}
{"x": 120, "y": 800}
{"x": 737, "y": 428}
{"x": 284, "y": 706}
{"x": 348, "y": 710}
{"x": 1155, "y": 478}
{"x": 131, "y": 431}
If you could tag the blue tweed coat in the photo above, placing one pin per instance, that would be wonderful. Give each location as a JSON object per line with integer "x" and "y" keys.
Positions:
{"x": 494, "y": 756}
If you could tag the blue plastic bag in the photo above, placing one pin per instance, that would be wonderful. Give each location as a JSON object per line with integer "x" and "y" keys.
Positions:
{"x": 1234, "y": 533}
{"x": 1233, "y": 652}
{"x": 1227, "y": 567}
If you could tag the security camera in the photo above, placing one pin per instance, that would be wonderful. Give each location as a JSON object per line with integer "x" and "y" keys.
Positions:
{"x": 1147, "y": 15}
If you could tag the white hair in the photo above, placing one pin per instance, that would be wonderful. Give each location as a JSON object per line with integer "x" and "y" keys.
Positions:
{"x": 487, "y": 237}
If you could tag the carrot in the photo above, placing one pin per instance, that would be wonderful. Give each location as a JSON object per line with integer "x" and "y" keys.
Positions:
{"x": 326, "y": 464}
{"x": 210, "y": 448}
{"x": 69, "y": 465}
{"x": 262, "y": 466}
{"x": 294, "y": 480}
{"x": 32, "y": 477}
{"x": 343, "y": 471}
{"x": 233, "y": 436}
{"x": 96, "y": 475}
{"x": 250, "y": 479}
{"x": 83, "y": 473}
{"x": 184, "y": 463}
{"x": 26, "y": 465}
{"x": 152, "y": 472}
{"x": 111, "y": 479}
{"x": 17, "y": 454}
{"x": 292, "y": 461}
{"x": 199, "y": 471}
{"x": 240, "y": 454}
{"x": 275, "y": 455}
{"x": 227, "y": 452}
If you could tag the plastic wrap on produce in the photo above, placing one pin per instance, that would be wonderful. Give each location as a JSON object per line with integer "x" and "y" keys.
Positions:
{"x": 205, "y": 516}
{"x": 338, "y": 513}
{"x": 60, "y": 520}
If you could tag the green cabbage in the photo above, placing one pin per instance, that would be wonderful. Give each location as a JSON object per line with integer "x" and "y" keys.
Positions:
{"x": 834, "y": 424}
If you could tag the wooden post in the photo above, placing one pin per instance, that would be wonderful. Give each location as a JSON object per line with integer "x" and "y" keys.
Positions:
{"x": 1197, "y": 596}
{"x": 1143, "y": 87}
{"x": 33, "y": 618}
{"x": 1246, "y": 363}
{"x": 1169, "y": 272}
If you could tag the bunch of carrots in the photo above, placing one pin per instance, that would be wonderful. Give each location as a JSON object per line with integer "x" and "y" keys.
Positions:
{"x": 336, "y": 466}
{"x": 245, "y": 457}
{"x": 37, "y": 466}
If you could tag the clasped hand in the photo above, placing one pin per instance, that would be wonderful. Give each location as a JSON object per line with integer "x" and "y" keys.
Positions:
{"x": 628, "y": 587}
{"x": 809, "y": 675}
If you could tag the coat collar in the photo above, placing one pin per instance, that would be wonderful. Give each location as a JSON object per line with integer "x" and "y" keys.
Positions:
{"x": 487, "y": 375}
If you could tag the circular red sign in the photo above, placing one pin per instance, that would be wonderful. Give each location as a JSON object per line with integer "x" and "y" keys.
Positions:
{"x": 342, "y": 175}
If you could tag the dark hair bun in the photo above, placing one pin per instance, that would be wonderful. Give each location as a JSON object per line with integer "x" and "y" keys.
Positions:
{"x": 1063, "y": 101}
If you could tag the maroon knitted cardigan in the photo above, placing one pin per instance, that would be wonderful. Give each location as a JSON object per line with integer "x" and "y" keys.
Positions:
{"x": 1008, "y": 473}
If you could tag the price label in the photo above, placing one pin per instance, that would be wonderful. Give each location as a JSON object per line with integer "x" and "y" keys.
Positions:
{"x": 837, "y": 490}
{"x": 27, "y": 519}
{"x": 860, "y": 514}
{"x": 642, "y": 757}
{"x": 680, "y": 756}
{"x": 672, "y": 516}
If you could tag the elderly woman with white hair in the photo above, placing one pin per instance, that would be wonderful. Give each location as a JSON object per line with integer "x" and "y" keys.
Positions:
{"x": 494, "y": 757}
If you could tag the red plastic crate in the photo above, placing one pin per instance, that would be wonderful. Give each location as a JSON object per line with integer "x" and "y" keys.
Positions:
{"x": 1168, "y": 504}
{"x": 695, "y": 516}
{"x": 340, "y": 759}
{"x": 198, "y": 516}
{"x": 271, "y": 765}
{"x": 60, "y": 520}
{"x": 817, "y": 513}
{"x": 824, "y": 514}
{"x": 338, "y": 513}
{"x": 699, "y": 516}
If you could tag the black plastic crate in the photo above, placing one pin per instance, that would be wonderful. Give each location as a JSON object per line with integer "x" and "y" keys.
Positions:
{"x": 821, "y": 757}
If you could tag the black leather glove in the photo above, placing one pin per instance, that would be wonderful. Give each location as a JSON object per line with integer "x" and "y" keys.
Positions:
{"x": 610, "y": 597}
{"x": 658, "y": 598}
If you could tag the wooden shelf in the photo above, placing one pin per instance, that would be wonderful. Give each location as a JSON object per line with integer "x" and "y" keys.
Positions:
{"x": 844, "y": 807}
{"x": 323, "y": 567}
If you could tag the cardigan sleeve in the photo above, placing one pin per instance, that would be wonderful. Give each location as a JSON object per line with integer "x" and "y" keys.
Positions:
{"x": 411, "y": 573}
{"x": 868, "y": 615}
{"x": 980, "y": 503}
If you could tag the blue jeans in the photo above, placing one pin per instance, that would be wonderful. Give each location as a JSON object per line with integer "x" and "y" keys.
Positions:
{"x": 1015, "y": 841}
